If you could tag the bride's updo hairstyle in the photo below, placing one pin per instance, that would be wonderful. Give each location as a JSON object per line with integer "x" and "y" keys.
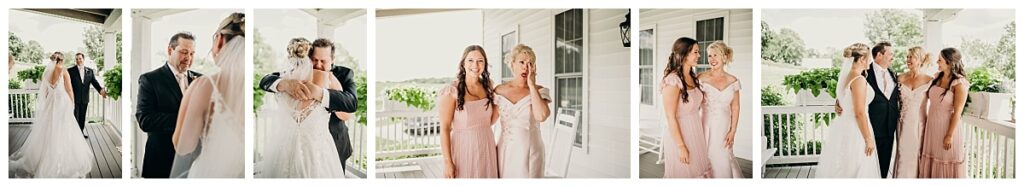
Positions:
{"x": 232, "y": 26}
{"x": 298, "y": 48}
{"x": 856, "y": 51}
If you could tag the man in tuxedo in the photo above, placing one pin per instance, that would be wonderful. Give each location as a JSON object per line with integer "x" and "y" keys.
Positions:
{"x": 160, "y": 93}
{"x": 81, "y": 78}
{"x": 884, "y": 109}
{"x": 322, "y": 56}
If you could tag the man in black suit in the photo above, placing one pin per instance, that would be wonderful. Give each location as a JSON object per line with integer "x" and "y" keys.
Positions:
{"x": 322, "y": 56}
{"x": 81, "y": 78}
{"x": 160, "y": 93}
{"x": 884, "y": 109}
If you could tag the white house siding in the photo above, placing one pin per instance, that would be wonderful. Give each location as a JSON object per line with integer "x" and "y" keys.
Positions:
{"x": 606, "y": 75}
{"x": 669, "y": 25}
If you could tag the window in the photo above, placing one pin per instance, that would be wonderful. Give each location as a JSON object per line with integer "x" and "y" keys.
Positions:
{"x": 569, "y": 65}
{"x": 508, "y": 41}
{"x": 708, "y": 31}
{"x": 647, "y": 66}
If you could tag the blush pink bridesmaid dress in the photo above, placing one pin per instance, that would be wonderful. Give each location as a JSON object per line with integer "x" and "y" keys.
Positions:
{"x": 472, "y": 140}
{"x": 688, "y": 115}
{"x": 937, "y": 162}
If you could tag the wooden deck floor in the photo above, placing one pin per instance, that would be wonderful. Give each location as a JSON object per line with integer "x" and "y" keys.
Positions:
{"x": 790, "y": 172}
{"x": 650, "y": 169}
{"x": 105, "y": 143}
{"x": 428, "y": 168}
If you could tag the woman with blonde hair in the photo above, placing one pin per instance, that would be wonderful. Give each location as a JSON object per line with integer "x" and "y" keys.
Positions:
{"x": 523, "y": 105}
{"x": 721, "y": 111}
{"x": 913, "y": 89}
{"x": 849, "y": 150}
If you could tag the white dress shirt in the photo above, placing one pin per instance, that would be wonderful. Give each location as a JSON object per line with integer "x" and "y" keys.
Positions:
{"x": 884, "y": 80}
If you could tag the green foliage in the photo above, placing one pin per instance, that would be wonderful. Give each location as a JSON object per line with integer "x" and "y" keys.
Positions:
{"x": 257, "y": 93}
{"x": 770, "y": 96}
{"x": 361, "y": 94}
{"x": 999, "y": 56}
{"x": 983, "y": 80}
{"x": 112, "y": 79}
{"x": 899, "y": 27}
{"x": 35, "y": 73}
{"x": 13, "y": 84}
{"x": 784, "y": 46}
{"x": 24, "y": 51}
{"x": 814, "y": 81}
{"x": 412, "y": 96}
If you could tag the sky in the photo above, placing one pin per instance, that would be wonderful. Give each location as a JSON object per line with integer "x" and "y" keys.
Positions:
{"x": 425, "y": 45}
{"x": 278, "y": 26}
{"x": 52, "y": 33}
{"x": 202, "y": 23}
{"x": 838, "y": 28}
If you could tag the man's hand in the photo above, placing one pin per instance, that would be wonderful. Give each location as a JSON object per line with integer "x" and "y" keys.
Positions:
{"x": 103, "y": 93}
{"x": 294, "y": 88}
{"x": 315, "y": 91}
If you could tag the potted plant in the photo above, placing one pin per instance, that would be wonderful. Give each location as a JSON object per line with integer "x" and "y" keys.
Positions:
{"x": 985, "y": 99}
{"x": 112, "y": 82}
{"x": 34, "y": 74}
{"x": 809, "y": 86}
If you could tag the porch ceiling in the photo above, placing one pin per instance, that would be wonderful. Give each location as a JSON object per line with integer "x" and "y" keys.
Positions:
{"x": 405, "y": 12}
{"x": 940, "y": 15}
{"x": 334, "y": 16}
{"x": 110, "y": 19}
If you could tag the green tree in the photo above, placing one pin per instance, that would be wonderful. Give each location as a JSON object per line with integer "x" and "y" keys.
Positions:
{"x": 899, "y": 27}
{"x": 784, "y": 46}
{"x": 24, "y": 51}
{"x": 93, "y": 40}
{"x": 1007, "y": 50}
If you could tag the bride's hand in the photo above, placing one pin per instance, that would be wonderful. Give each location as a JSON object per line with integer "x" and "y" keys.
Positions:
{"x": 869, "y": 147}
{"x": 449, "y": 171}
{"x": 684, "y": 155}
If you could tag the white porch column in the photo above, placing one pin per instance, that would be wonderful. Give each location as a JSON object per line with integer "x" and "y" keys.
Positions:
{"x": 109, "y": 50}
{"x": 933, "y": 35}
{"x": 141, "y": 60}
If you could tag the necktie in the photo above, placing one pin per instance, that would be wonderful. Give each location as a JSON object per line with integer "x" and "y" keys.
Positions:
{"x": 182, "y": 84}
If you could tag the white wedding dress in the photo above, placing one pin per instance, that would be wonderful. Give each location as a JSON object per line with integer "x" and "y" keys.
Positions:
{"x": 221, "y": 141}
{"x": 300, "y": 145}
{"x": 54, "y": 148}
{"x": 842, "y": 151}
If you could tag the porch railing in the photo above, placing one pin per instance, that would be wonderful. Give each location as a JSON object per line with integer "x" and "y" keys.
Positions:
{"x": 797, "y": 132}
{"x": 105, "y": 110}
{"x": 403, "y": 136}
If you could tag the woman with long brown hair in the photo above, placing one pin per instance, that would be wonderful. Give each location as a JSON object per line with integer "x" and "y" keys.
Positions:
{"x": 467, "y": 111}
{"x": 683, "y": 142}
{"x": 942, "y": 154}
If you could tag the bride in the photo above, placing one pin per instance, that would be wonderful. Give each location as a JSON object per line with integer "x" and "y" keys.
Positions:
{"x": 55, "y": 147}
{"x": 849, "y": 150}
{"x": 301, "y": 145}
{"x": 209, "y": 138}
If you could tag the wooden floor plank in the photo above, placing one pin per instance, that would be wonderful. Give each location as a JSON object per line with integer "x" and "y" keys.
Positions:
{"x": 103, "y": 141}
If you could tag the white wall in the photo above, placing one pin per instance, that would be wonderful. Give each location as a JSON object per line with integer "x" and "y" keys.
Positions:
{"x": 670, "y": 25}
{"x": 606, "y": 74}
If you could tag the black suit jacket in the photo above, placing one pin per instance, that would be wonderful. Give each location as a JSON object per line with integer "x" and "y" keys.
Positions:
{"x": 340, "y": 100}
{"x": 81, "y": 88}
{"x": 157, "y": 114}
